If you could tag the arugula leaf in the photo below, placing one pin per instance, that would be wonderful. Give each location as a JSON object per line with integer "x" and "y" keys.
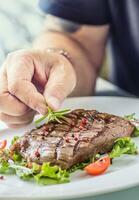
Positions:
{"x": 123, "y": 146}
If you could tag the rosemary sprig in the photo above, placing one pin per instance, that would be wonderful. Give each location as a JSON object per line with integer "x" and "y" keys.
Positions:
{"x": 53, "y": 116}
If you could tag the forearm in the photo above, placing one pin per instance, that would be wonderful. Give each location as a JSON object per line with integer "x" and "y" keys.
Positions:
{"x": 85, "y": 72}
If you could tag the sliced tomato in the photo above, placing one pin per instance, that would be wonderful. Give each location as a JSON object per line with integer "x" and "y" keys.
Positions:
{"x": 98, "y": 167}
{"x": 3, "y": 144}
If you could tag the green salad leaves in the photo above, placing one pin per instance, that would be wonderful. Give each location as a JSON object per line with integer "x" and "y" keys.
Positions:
{"x": 42, "y": 174}
{"x": 135, "y": 121}
{"x": 80, "y": 165}
{"x": 84, "y": 164}
{"x": 136, "y": 132}
{"x": 130, "y": 117}
{"x": 123, "y": 146}
{"x": 51, "y": 174}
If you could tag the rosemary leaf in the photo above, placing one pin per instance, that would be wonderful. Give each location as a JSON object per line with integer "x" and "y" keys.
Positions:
{"x": 53, "y": 116}
{"x": 62, "y": 111}
{"x": 40, "y": 119}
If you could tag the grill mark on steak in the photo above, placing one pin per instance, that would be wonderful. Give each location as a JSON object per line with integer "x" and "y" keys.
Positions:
{"x": 59, "y": 144}
{"x": 81, "y": 135}
{"x": 76, "y": 147}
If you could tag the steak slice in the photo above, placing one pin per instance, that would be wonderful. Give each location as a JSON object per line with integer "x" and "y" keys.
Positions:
{"x": 81, "y": 135}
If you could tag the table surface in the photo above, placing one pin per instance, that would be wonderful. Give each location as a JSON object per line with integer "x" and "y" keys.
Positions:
{"x": 105, "y": 88}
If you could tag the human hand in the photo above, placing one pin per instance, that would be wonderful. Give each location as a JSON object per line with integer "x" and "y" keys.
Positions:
{"x": 29, "y": 80}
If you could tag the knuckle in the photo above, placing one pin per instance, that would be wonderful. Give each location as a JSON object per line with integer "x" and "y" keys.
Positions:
{"x": 13, "y": 55}
{"x": 23, "y": 56}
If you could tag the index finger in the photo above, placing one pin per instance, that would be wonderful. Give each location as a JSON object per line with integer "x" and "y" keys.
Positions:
{"x": 20, "y": 75}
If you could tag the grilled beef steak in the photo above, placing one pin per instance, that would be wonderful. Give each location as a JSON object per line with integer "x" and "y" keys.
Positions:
{"x": 82, "y": 134}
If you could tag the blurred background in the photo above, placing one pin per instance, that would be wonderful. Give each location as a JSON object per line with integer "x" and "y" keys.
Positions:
{"x": 20, "y": 22}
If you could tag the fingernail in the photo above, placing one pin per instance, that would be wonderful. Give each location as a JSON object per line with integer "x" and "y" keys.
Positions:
{"x": 53, "y": 102}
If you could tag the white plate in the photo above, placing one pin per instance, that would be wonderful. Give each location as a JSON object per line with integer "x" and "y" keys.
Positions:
{"x": 124, "y": 172}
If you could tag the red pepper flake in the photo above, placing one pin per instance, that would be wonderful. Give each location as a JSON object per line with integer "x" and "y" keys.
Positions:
{"x": 81, "y": 126}
{"x": 45, "y": 133}
{"x": 1, "y": 177}
{"x": 46, "y": 128}
{"x": 37, "y": 154}
{"x": 67, "y": 139}
{"x": 84, "y": 121}
{"x": 76, "y": 137}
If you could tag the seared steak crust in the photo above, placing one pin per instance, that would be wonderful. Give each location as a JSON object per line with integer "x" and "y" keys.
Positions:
{"x": 82, "y": 134}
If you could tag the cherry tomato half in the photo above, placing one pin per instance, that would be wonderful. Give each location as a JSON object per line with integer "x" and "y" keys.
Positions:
{"x": 98, "y": 167}
{"x": 3, "y": 144}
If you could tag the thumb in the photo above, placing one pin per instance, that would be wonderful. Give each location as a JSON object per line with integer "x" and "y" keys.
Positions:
{"x": 61, "y": 82}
